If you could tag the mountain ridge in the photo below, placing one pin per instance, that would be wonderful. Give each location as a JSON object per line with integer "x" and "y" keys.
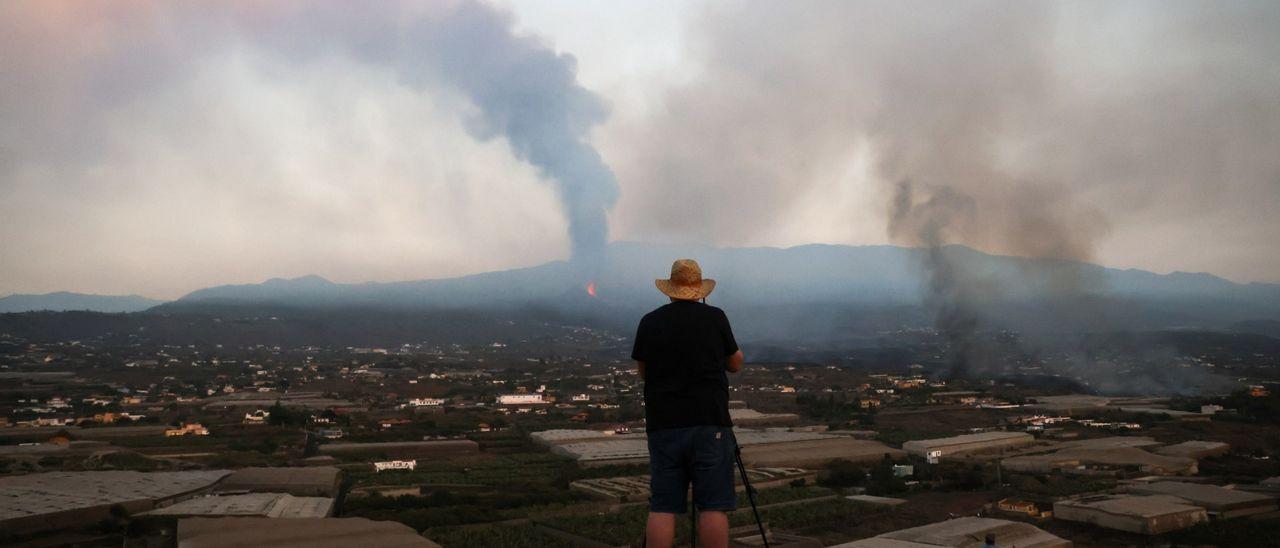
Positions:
{"x": 1124, "y": 279}
{"x": 61, "y": 301}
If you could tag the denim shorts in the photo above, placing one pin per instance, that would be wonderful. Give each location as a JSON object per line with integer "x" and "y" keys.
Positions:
{"x": 701, "y": 455}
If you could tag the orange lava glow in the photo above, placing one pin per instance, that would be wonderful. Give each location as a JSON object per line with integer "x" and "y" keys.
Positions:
{"x": 591, "y": 288}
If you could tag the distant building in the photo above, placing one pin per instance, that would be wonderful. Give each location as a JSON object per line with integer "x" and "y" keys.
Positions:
{"x": 265, "y": 505}
{"x": 234, "y": 532}
{"x": 1195, "y": 449}
{"x": 393, "y": 422}
{"x": 968, "y": 443}
{"x": 964, "y": 532}
{"x": 33, "y": 503}
{"x": 106, "y": 418}
{"x": 330, "y": 433}
{"x": 877, "y": 501}
{"x": 1219, "y": 502}
{"x": 964, "y": 397}
{"x": 257, "y": 417}
{"x": 1102, "y": 461}
{"x": 189, "y": 429}
{"x": 751, "y": 417}
{"x": 299, "y": 481}
{"x": 1147, "y": 515}
{"x": 383, "y": 466}
{"x": 403, "y": 450}
{"x": 426, "y": 402}
{"x": 1022, "y": 507}
{"x": 521, "y": 399}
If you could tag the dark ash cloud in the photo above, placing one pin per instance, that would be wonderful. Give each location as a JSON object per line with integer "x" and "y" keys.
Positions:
{"x": 1133, "y": 133}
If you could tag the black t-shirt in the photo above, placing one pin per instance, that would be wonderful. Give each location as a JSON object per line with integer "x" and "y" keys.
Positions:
{"x": 684, "y": 346}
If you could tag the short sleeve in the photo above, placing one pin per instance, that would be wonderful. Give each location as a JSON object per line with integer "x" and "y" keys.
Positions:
{"x": 640, "y": 349}
{"x": 726, "y": 334}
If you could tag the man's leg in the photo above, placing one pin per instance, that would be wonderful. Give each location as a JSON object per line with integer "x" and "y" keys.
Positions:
{"x": 713, "y": 529}
{"x": 713, "y": 493}
{"x": 661, "y": 530}
{"x": 668, "y": 484}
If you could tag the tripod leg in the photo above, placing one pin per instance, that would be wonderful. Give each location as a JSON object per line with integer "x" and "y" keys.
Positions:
{"x": 693, "y": 526}
{"x": 751, "y": 493}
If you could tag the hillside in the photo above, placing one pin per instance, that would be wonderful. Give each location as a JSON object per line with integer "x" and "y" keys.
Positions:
{"x": 781, "y": 279}
{"x": 63, "y": 301}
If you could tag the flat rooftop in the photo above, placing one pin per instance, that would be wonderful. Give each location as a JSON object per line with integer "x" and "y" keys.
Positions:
{"x": 745, "y": 415}
{"x": 454, "y": 445}
{"x": 310, "y": 400}
{"x": 964, "y": 532}
{"x": 564, "y": 435}
{"x": 995, "y": 439}
{"x": 817, "y": 452}
{"x": 1112, "y": 442}
{"x": 38, "y": 494}
{"x": 1153, "y": 506}
{"x": 1194, "y": 449}
{"x": 589, "y": 446}
{"x": 297, "y": 533}
{"x": 265, "y": 505}
{"x": 1211, "y": 497}
{"x": 296, "y": 480}
{"x": 879, "y": 501}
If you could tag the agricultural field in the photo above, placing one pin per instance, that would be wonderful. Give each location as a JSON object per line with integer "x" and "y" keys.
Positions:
{"x": 616, "y": 528}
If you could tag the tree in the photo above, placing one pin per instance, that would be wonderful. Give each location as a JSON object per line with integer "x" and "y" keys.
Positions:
{"x": 844, "y": 473}
{"x": 883, "y": 481}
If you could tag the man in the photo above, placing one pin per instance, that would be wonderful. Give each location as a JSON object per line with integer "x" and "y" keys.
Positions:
{"x": 683, "y": 350}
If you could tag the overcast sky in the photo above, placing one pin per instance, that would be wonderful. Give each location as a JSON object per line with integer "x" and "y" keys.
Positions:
{"x": 153, "y": 149}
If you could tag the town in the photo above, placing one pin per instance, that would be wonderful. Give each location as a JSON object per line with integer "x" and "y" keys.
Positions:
{"x": 542, "y": 443}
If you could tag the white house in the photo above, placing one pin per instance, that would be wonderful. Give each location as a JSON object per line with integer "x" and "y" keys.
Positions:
{"x": 395, "y": 465}
{"x": 521, "y": 399}
{"x": 424, "y": 402}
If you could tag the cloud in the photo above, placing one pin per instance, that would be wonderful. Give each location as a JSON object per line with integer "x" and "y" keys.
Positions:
{"x": 155, "y": 147}
{"x": 1134, "y": 133}
{"x": 206, "y": 144}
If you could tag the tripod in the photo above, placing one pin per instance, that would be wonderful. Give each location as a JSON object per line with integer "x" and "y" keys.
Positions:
{"x": 750, "y": 496}
{"x": 746, "y": 486}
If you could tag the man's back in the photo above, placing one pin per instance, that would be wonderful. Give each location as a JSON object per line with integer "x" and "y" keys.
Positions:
{"x": 682, "y": 352}
{"x": 684, "y": 346}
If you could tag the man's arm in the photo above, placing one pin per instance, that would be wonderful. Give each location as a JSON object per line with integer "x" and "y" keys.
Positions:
{"x": 732, "y": 365}
{"x": 640, "y": 367}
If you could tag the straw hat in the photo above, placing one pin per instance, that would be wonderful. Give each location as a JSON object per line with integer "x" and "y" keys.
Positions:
{"x": 686, "y": 282}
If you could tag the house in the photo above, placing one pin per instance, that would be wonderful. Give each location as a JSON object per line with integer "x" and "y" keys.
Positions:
{"x": 257, "y": 417}
{"x": 383, "y": 466}
{"x": 522, "y": 399}
{"x": 191, "y": 429}
{"x": 426, "y": 402}
{"x": 330, "y": 433}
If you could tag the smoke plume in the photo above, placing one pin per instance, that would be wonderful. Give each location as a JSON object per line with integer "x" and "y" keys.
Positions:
{"x": 521, "y": 89}
{"x": 1109, "y": 131}
{"x": 285, "y": 105}
{"x": 953, "y": 298}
